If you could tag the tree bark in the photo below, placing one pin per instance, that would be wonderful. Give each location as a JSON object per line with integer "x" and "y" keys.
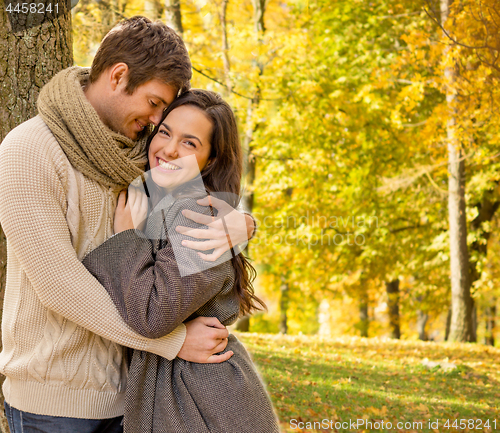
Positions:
{"x": 259, "y": 9}
{"x": 486, "y": 211}
{"x": 154, "y": 9}
{"x": 364, "y": 321}
{"x": 490, "y": 315}
{"x": 225, "y": 47}
{"x": 250, "y": 127}
{"x": 259, "y": 28}
{"x": 422, "y": 319}
{"x": 392, "y": 289}
{"x": 474, "y": 320}
{"x": 447, "y": 326}
{"x": 284, "y": 290}
{"x": 29, "y": 57}
{"x": 461, "y": 328}
{"x": 173, "y": 15}
{"x": 243, "y": 324}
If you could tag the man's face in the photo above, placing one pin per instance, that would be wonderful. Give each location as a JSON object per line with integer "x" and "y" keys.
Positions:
{"x": 130, "y": 114}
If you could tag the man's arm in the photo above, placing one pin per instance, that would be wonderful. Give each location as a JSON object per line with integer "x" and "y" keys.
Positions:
{"x": 32, "y": 202}
{"x": 147, "y": 288}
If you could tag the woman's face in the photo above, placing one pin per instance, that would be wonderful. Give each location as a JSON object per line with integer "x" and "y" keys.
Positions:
{"x": 181, "y": 148}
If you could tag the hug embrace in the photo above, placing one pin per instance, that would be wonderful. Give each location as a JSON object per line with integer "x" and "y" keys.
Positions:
{"x": 113, "y": 319}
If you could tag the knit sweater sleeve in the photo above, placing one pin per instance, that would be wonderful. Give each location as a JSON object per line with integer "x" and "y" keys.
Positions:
{"x": 32, "y": 215}
{"x": 157, "y": 291}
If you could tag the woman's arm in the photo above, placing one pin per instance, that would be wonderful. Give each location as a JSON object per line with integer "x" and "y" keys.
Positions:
{"x": 148, "y": 289}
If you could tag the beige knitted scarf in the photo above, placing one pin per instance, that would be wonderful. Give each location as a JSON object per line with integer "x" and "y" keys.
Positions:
{"x": 98, "y": 152}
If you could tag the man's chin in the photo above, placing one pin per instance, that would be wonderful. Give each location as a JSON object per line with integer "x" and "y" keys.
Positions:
{"x": 141, "y": 134}
{"x": 134, "y": 135}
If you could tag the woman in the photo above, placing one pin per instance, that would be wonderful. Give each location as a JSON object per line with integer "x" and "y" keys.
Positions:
{"x": 156, "y": 283}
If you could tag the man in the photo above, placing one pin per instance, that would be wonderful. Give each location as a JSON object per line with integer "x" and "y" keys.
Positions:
{"x": 60, "y": 174}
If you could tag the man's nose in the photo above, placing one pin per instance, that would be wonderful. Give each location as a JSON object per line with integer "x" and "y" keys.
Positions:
{"x": 155, "y": 117}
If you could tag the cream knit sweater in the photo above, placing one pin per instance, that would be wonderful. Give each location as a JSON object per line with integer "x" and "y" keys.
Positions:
{"x": 62, "y": 335}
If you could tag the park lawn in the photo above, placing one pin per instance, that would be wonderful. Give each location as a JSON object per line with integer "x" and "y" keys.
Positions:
{"x": 312, "y": 379}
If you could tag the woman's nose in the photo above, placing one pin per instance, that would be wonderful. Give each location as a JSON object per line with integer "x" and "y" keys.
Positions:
{"x": 171, "y": 150}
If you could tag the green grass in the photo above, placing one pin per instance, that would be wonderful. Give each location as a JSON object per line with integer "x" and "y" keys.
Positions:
{"x": 311, "y": 379}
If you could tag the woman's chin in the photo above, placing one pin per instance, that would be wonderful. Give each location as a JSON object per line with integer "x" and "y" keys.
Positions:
{"x": 169, "y": 181}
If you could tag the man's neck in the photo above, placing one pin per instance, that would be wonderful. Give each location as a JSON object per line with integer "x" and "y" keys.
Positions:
{"x": 93, "y": 94}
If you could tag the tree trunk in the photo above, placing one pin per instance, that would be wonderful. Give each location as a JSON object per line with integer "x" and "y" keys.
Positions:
{"x": 474, "y": 320}
{"x": 284, "y": 290}
{"x": 364, "y": 322}
{"x": 29, "y": 57}
{"x": 461, "y": 328}
{"x": 259, "y": 10}
{"x": 250, "y": 127}
{"x": 422, "y": 319}
{"x": 225, "y": 47}
{"x": 448, "y": 325}
{"x": 173, "y": 15}
{"x": 392, "y": 289}
{"x": 490, "y": 314}
{"x": 154, "y": 9}
{"x": 243, "y": 324}
{"x": 486, "y": 211}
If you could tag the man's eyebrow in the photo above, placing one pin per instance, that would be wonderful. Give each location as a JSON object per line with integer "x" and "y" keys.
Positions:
{"x": 185, "y": 135}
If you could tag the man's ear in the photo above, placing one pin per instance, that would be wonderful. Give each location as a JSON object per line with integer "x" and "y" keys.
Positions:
{"x": 118, "y": 75}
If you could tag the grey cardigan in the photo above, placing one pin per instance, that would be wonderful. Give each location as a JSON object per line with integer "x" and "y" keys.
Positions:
{"x": 143, "y": 277}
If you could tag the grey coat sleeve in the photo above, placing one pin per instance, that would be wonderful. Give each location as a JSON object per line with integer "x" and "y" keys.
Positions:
{"x": 147, "y": 287}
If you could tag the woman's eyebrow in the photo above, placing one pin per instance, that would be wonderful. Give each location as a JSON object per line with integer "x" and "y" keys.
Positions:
{"x": 193, "y": 136}
{"x": 185, "y": 135}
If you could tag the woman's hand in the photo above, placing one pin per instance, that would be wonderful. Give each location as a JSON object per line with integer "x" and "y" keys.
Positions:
{"x": 131, "y": 213}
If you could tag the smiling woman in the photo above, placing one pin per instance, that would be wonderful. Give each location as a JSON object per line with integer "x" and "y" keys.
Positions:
{"x": 181, "y": 148}
{"x": 157, "y": 283}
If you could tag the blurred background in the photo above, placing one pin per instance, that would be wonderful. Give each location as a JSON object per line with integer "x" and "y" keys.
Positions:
{"x": 371, "y": 137}
{"x": 354, "y": 116}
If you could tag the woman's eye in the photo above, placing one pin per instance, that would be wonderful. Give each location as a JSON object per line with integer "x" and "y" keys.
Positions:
{"x": 190, "y": 143}
{"x": 153, "y": 104}
{"x": 164, "y": 132}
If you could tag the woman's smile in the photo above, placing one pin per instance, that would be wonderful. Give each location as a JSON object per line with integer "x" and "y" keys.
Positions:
{"x": 166, "y": 165}
{"x": 181, "y": 148}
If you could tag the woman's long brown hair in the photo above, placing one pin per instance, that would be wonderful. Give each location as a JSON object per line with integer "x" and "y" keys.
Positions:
{"x": 222, "y": 175}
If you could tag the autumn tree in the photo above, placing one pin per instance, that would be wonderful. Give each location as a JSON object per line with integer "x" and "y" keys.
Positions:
{"x": 347, "y": 110}
{"x": 31, "y": 52}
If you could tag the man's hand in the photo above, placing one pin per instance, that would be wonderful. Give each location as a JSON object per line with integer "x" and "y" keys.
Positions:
{"x": 228, "y": 229}
{"x": 131, "y": 213}
{"x": 204, "y": 337}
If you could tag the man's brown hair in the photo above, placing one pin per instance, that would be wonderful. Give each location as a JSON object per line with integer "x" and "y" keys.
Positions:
{"x": 151, "y": 50}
